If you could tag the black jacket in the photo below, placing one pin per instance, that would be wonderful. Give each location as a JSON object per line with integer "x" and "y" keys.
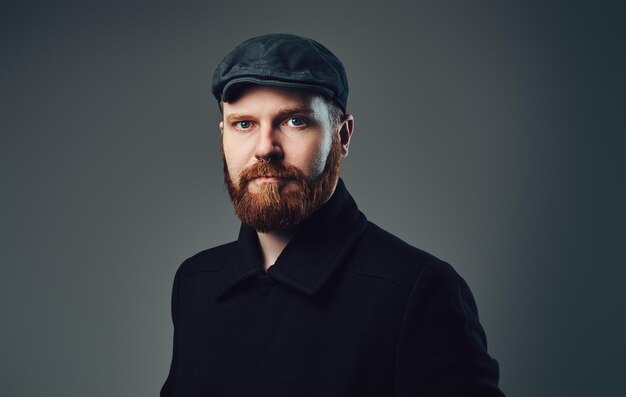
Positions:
{"x": 347, "y": 310}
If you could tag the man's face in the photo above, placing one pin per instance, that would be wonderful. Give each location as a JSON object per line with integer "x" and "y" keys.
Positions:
{"x": 281, "y": 155}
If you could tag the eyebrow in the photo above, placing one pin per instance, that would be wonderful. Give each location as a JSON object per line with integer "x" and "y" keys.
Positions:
{"x": 238, "y": 116}
{"x": 281, "y": 113}
{"x": 303, "y": 110}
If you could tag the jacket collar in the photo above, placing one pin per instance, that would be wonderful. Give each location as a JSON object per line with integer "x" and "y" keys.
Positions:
{"x": 311, "y": 257}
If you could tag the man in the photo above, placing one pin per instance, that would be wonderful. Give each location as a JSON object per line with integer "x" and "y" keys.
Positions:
{"x": 312, "y": 299}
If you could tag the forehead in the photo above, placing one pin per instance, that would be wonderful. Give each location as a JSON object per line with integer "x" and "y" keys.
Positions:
{"x": 268, "y": 99}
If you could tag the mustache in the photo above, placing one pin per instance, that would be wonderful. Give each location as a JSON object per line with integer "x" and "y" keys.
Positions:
{"x": 275, "y": 170}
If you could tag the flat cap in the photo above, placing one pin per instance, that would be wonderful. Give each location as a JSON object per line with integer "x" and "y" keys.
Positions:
{"x": 282, "y": 60}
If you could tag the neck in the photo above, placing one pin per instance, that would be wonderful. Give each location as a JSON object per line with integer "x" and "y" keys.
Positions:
{"x": 273, "y": 243}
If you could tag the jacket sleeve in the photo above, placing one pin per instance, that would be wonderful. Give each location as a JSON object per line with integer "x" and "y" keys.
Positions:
{"x": 170, "y": 383}
{"x": 442, "y": 348}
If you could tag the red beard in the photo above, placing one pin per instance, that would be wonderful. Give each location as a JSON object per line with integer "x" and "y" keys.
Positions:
{"x": 272, "y": 208}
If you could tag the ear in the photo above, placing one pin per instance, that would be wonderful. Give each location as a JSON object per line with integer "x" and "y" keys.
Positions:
{"x": 222, "y": 127}
{"x": 345, "y": 133}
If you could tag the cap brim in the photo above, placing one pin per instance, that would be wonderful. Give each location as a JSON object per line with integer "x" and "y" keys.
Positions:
{"x": 233, "y": 87}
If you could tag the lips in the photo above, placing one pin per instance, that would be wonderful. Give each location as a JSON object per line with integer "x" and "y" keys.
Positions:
{"x": 261, "y": 171}
{"x": 267, "y": 177}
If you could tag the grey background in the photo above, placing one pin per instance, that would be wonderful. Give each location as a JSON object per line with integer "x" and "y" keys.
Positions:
{"x": 488, "y": 133}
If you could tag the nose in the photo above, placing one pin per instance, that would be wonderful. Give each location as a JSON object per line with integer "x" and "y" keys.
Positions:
{"x": 268, "y": 145}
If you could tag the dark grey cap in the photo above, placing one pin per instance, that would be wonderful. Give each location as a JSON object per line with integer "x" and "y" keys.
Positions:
{"x": 282, "y": 60}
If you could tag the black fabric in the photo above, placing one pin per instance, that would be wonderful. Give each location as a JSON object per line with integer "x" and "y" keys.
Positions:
{"x": 347, "y": 310}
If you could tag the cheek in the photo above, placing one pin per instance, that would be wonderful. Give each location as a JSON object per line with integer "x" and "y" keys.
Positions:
{"x": 319, "y": 163}
{"x": 317, "y": 157}
{"x": 231, "y": 172}
{"x": 232, "y": 162}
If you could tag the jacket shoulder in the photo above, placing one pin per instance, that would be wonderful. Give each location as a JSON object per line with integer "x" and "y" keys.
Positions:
{"x": 381, "y": 254}
{"x": 211, "y": 259}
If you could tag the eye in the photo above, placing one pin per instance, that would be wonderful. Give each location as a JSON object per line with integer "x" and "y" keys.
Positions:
{"x": 296, "y": 122}
{"x": 243, "y": 125}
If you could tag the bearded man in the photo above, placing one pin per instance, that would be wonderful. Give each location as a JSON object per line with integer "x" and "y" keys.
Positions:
{"x": 312, "y": 299}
